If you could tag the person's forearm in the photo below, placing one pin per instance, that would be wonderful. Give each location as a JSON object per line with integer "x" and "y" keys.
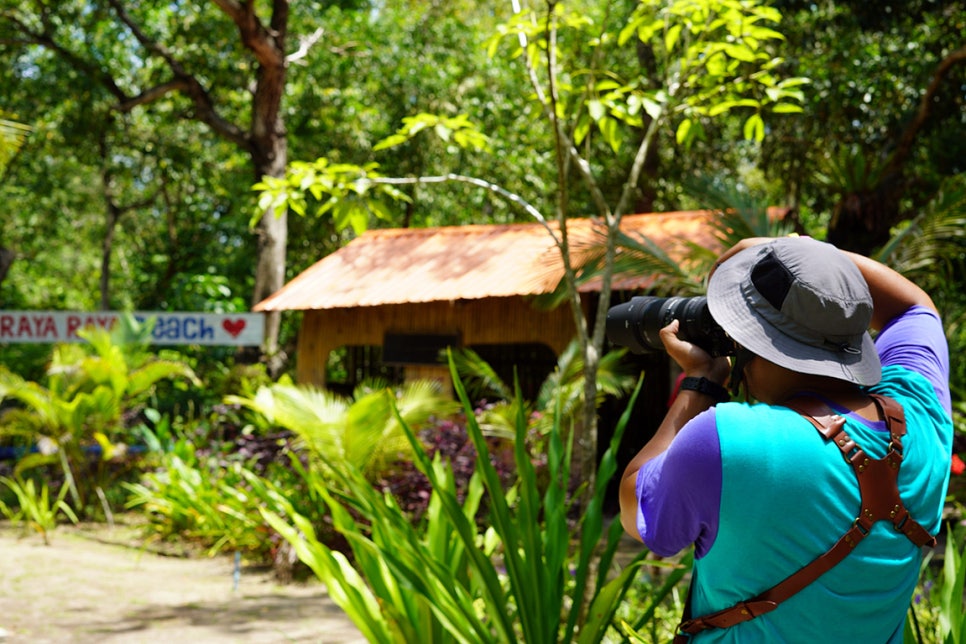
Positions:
{"x": 892, "y": 293}
{"x": 686, "y": 405}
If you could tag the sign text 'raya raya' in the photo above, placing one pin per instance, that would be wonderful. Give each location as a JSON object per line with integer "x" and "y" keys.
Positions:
{"x": 241, "y": 329}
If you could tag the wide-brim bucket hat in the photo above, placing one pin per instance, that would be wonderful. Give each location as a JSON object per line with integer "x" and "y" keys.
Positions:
{"x": 800, "y": 303}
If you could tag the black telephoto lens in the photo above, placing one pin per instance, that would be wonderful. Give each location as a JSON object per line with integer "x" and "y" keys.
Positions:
{"x": 637, "y": 324}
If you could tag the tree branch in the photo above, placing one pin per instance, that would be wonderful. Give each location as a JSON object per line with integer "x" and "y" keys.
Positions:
{"x": 268, "y": 46}
{"x": 305, "y": 44}
{"x": 184, "y": 82}
{"x": 151, "y": 95}
{"x": 904, "y": 147}
{"x": 46, "y": 40}
{"x": 582, "y": 165}
{"x": 480, "y": 183}
{"x": 264, "y": 43}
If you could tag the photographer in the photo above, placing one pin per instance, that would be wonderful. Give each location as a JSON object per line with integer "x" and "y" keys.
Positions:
{"x": 803, "y": 531}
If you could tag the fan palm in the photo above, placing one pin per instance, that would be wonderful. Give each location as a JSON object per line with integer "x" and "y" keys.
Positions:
{"x": 929, "y": 249}
{"x": 361, "y": 430}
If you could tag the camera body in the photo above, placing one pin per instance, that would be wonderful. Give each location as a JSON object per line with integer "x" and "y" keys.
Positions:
{"x": 637, "y": 324}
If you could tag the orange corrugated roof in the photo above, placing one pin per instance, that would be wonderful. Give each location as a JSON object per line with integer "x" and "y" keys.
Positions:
{"x": 396, "y": 266}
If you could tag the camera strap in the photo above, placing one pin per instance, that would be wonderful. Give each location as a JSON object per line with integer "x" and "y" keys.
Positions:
{"x": 880, "y": 501}
{"x": 742, "y": 357}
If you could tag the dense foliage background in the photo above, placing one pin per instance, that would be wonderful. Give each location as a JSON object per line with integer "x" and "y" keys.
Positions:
{"x": 133, "y": 187}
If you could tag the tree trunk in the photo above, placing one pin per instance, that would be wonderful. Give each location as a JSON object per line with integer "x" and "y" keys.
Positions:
{"x": 6, "y": 261}
{"x": 270, "y": 156}
{"x": 265, "y": 140}
{"x": 270, "y": 277}
{"x": 862, "y": 219}
{"x": 107, "y": 246}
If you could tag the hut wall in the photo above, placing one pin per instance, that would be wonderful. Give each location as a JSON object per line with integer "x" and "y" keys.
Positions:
{"x": 506, "y": 320}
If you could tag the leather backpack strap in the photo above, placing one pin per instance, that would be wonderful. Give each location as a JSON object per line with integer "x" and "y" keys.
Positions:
{"x": 878, "y": 478}
{"x": 880, "y": 501}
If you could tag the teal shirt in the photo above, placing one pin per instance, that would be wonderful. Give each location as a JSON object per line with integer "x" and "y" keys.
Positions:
{"x": 788, "y": 495}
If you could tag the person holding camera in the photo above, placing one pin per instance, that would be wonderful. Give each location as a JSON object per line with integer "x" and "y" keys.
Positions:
{"x": 809, "y": 504}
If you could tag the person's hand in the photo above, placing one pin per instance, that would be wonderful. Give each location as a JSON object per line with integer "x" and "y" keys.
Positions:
{"x": 692, "y": 359}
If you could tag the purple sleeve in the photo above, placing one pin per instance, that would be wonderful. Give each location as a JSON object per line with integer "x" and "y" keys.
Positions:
{"x": 679, "y": 492}
{"x": 916, "y": 340}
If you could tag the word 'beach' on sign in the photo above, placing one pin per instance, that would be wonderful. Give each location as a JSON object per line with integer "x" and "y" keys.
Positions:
{"x": 239, "y": 329}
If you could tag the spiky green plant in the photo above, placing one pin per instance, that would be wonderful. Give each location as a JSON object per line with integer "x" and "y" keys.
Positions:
{"x": 532, "y": 576}
{"x": 35, "y": 507}
{"x": 938, "y": 610}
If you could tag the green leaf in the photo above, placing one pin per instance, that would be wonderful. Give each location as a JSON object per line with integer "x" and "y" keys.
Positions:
{"x": 442, "y": 131}
{"x": 634, "y": 104}
{"x": 390, "y": 141}
{"x": 740, "y": 52}
{"x": 672, "y": 36}
{"x": 754, "y": 128}
{"x": 345, "y": 586}
{"x": 380, "y": 210}
{"x": 359, "y": 219}
{"x": 786, "y": 108}
{"x": 764, "y": 33}
{"x": 727, "y": 105}
{"x": 794, "y": 82}
{"x": 582, "y": 129}
{"x": 471, "y": 138}
{"x": 296, "y": 205}
{"x": 682, "y": 135}
{"x": 611, "y": 133}
{"x": 31, "y": 461}
{"x": 653, "y": 107}
{"x": 605, "y": 604}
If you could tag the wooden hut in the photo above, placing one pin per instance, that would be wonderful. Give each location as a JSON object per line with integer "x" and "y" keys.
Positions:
{"x": 407, "y": 293}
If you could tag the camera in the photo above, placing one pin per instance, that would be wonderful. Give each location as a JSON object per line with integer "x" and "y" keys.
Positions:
{"x": 636, "y": 324}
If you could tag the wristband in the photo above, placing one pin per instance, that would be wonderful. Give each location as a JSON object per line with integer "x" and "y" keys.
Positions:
{"x": 706, "y": 387}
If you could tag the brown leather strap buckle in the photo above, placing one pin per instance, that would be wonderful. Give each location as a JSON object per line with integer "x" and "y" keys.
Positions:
{"x": 740, "y": 612}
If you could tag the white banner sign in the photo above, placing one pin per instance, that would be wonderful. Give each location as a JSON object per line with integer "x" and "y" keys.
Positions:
{"x": 240, "y": 329}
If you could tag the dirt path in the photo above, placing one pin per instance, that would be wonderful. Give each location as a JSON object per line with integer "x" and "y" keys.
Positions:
{"x": 82, "y": 589}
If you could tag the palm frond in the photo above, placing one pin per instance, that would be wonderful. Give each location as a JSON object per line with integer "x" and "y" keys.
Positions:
{"x": 142, "y": 379}
{"x": 13, "y": 135}
{"x": 9, "y": 381}
{"x": 614, "y": 378}
{"x": 478, "y": 377}
{"x": 927, "y": 246}
{"x": 640, "y": 255}
{"x": 314, "y": 415}
{"x": 740, "y": 214}
{"x": 363, "y": 431}
{"x": 499, "y": 419}
{"x": 420, "y": 400}
{"x": 566, "y": 384}
{"x": 850, "y": 169}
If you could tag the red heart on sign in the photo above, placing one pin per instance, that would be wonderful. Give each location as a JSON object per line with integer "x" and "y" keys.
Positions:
{"x": 234, "y": 327}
